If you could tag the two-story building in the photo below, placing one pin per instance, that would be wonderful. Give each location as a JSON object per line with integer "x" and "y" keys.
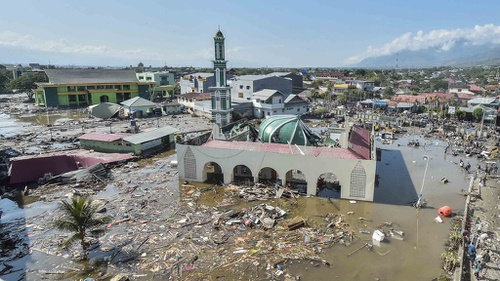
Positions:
{"x": 196, "y": 82}
{"x": 164, "y": 82}
{"x": 243, "y": 87}
{"x": 272, "y": 102}
{"x": 83, "y": 87}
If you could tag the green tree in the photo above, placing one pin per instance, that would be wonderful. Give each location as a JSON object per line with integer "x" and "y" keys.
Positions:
{"x": 80, "y": 216}
{"x": 460, "y": 114}
{"x": 388, "y": 92}
{"x": 5, "y": 77}
{"x": 478, "y": 114}
{"x": 26, "y": 82}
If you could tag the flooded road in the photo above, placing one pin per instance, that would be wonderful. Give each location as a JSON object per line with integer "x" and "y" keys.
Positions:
{"x": 401, "y": 172}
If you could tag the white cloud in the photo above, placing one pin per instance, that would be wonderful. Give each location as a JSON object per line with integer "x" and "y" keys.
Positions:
{"x": 28, "y": 42}
{"x": 443, "y": 39}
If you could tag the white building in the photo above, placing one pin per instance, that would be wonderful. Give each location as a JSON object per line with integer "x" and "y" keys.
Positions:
{"x": 272, "y": 102}
{"x": 353, "y": 164}
{"x": 199, "y": 82}
{"x": 243, "y": 87}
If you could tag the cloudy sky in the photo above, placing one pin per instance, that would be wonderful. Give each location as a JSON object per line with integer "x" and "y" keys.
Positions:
{"x": 288, "y": 33}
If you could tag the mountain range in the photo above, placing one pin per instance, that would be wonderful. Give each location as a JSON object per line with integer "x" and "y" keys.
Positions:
{"x": 461, "y": 54}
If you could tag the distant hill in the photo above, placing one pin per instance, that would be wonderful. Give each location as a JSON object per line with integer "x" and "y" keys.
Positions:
{"x": 461, "y": 55}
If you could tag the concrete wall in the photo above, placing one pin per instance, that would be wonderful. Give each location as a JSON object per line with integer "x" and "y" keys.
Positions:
{"x": 193, "y": 159}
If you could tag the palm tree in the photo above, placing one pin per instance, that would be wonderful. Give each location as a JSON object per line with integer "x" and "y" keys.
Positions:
{"x": 79, "y": 216}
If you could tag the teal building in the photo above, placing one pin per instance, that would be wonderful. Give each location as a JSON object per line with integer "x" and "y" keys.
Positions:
{"x": 220, "y": 93}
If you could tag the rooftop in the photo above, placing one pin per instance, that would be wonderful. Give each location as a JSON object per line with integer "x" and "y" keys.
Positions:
{"x": 103, "y": 137}
{"x": 90, "y": 76}
{"x": 315, "y": 151}
{"x": 150, "y": 135}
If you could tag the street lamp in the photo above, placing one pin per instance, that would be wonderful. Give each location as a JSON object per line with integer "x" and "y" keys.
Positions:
{"x": 421, "y": 202}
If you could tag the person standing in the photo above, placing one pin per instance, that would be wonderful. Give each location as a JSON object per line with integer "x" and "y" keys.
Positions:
{"x": 479, "y": 267}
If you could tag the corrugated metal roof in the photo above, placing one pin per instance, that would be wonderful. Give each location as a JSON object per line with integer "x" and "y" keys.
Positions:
{"x": 137, "y": 101}
{"x": 90, "y": 76}
{"x": 330, "y": 152}
{"x": 151, "y": 135}
{"x": 103, "y": 137}
{"x": 252, "y": 77}
{"x": 266, "y": 93}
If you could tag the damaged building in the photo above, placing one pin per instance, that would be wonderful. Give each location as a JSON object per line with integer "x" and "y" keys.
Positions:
{"x": 288, "y": 153}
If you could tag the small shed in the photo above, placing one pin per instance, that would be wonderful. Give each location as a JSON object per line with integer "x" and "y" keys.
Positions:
{"x": 103, "y": 142}
{"x": 154, "y": 140}
{"x": 138, "y": 107}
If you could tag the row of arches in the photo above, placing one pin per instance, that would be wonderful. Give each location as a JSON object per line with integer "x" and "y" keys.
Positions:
{"x": 327, "y": 184}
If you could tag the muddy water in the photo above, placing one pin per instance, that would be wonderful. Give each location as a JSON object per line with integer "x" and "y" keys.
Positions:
{"x": 53, "y": 118}
{"x": 401, "y": 172}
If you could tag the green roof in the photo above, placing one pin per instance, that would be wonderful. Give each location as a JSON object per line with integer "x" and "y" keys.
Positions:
{"x": 286, "y": 128}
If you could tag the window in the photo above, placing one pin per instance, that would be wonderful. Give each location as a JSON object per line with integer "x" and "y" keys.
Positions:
{"x": 100, "y": 87}
{"x": 268, "y": 113}
{"x": 149, "y": 78}
{"x": 81, "y": 97}
{"x": 126, "y": 87}
{"x": 240, "y": 95}
{"x": 81, "y": 88}
{"x": 298, "y": 109}
{"x": 126, "y": 96}
{"x": 90, "y": 87}
{"x": 72, "y": 98}
{"x": 71, "y": 89}
{"x": 118, "y": 87}
{"x": 141, "y": 77}
{"x": 109, "y": 87}
{"x": 279, "y": 101}
{"x": 248, "y": 87}
{"x": 241, "y": 86}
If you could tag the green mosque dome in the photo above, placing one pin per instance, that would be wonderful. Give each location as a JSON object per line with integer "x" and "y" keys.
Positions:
{"x": 286, "y": 128}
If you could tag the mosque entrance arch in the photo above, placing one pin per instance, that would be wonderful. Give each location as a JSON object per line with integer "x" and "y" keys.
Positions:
{"x": 296, "y": 180}
{"x": 104, "y": 98}
{"x": 268, "y": 175}
{"x": 213, "y": 173}
{"x": 328, "y": 186}
{"x": 242, "y": 174}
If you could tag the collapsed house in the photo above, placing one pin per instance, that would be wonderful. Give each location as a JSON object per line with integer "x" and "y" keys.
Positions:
{"x": 288, "y": 153}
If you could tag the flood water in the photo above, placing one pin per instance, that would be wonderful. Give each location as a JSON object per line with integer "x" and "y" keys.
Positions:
{"x": 401, "y": 172}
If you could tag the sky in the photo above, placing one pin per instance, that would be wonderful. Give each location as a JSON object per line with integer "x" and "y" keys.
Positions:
{"x": 259, "y": 33}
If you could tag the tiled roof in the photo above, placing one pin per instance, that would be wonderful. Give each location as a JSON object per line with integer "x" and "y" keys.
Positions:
{"x": 330, "y": 152}
{"x": 90, "y": 76}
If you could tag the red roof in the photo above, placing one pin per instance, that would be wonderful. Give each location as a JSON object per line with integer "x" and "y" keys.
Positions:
{"x": 32, "y": 167}
{"x": 103, "y": 137}
{"x": 475, "y": 88}
{"x": 330, "y": 152}
{"x": 464, "y": 96}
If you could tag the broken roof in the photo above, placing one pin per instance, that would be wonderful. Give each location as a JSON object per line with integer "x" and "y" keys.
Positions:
{"x": 316, "y": 151}
{"x": 90, "y": 76}
{"x": 103, "y": 137}
{"x": 150, "y": 135}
